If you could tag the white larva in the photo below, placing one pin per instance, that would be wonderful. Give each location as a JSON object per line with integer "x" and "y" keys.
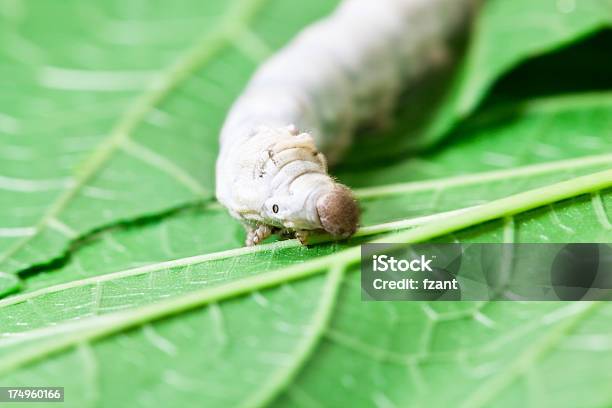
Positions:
{"x": 304, "y": 103}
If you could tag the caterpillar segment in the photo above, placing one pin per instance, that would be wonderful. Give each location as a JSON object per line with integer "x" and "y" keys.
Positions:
{"x": 302, "y": 106}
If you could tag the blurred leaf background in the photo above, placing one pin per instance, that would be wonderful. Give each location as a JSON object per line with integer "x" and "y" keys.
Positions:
{"x": 128, "y": 285}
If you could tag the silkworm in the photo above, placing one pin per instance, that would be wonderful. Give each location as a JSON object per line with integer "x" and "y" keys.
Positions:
{"x": 301, "y": 107}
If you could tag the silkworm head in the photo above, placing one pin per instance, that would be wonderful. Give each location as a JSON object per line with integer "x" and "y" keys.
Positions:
{"x": 292, "y": 211}
{"x": 338, "y": 212}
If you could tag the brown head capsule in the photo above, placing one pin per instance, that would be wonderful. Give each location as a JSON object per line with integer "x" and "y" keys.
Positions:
{"x": 338, "y": 212}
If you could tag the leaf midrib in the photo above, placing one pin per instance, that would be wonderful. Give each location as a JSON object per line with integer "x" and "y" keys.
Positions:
{"x": 376, "y": 192}
{"x": 107, "y": 325}
{"x": 215, "y": 256}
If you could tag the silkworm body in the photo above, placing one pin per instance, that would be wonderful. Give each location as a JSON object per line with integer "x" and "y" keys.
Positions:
{"x": 302, "y": 106}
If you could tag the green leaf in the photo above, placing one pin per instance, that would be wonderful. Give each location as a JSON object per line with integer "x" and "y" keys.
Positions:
{"x": 261, "y": 321}
{"x": 162, "y": 306}
{"x": 90, "y": 294}
{"x": 504, "y": 136}
{"x": 505, "y": 34}
{"x": 112, "y": 113}
{"x": 111, "y": 90}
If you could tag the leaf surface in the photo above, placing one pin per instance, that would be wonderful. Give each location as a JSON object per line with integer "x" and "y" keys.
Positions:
{"x": 163, "y": 306}
{"x": 505, "y": 34}
{"x": 112, "y": 91}
{"x": 268, "y": 315}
